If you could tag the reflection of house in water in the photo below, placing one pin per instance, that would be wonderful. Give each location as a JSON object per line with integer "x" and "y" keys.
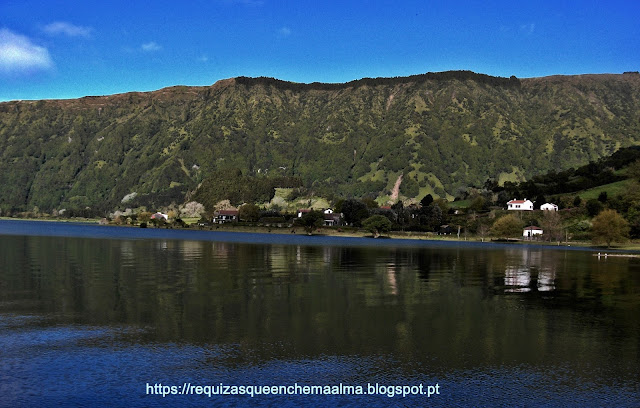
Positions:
{"x": 522, "y": 265}
{"x": 127, "y": 250}
{"x": 391, "y": 279}
{"x": 546, "y": 280}
{"x": 191, "y": 250}
{"x": 517, "y": 279}
{"x": 327, "y": 255}
{"x": 222, "y": 250}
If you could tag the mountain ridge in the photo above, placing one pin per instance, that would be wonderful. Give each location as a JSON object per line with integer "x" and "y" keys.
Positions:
{"x": 443, "y": 131}
{"x": 233, "y": 80}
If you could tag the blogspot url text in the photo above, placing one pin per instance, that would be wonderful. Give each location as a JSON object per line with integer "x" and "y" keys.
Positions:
{"x": 390, "y": 391}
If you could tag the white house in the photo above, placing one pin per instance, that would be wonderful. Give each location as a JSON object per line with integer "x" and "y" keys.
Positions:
{"x": 549, "y": 207}
{"x": 531, "y": 231}
{"x": 520, "y": 205}
{"x": 159, "y": 215}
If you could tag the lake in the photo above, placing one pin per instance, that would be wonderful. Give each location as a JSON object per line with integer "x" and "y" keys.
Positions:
{"x": 106, "y": 316}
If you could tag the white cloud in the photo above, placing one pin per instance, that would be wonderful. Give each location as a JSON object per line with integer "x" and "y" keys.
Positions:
{"x": 151, "y": 46}
{"x": 284, "y": 32}
{"x": 68, "y": 29}
{"x": 19, "y": 55}
{"x": 203, "y": 58}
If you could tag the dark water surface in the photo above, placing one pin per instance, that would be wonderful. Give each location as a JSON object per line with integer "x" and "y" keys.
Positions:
{"x": 89, "y": 317}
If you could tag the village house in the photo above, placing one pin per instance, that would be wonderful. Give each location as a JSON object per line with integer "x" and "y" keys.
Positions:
{"x": 160, "y": 215}
{"x": 331, "y": 219}
{"x": 531, "y": 231}
{"x": 520, "y": 205}
{"x": 224, "y": 216}
{"x": 549, "y": 207}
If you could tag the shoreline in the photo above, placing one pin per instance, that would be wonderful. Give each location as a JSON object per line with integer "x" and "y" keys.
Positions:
{"x": 266, "y": 235}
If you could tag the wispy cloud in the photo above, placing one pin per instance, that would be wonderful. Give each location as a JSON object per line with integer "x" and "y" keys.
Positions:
{"x": 18, "y": 54}
{"x": 68, "y": 29}
{"x": 151, "y": 47}
{"x": 528, "y": 28}
{"x": 284, "y": 32}
{"x": 203, "y": 58}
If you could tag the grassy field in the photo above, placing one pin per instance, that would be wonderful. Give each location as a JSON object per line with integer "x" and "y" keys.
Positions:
{"x": 460, "y": 204}
{"x": 613, "y": 190}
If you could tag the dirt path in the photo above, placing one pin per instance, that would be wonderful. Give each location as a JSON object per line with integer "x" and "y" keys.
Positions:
{"x": 395, "y": 193}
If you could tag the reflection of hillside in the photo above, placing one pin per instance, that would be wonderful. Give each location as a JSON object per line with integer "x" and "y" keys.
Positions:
{"x": 416, "y": 304}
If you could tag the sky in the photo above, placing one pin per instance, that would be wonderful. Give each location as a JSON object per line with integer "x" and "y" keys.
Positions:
{"x": 52, "y": 49}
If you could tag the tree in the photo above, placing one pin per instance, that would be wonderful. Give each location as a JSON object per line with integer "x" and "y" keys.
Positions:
{"x": 354, "y": 211}
{"x": 482, "y": 231}
{"x": 402, "y": 214}
{"x": 478, "y": 204}
{"x": 144, "y": 217}
{"x": 370, "y": 202}
{"x": 602, "y": 197}
{"x": 377, "y": 224}
{"x": 577, "y": 201}
{"x": 426, "y": 200}
{"x": 507, "y": 226}
{"x": 249, "y": 212}
{"x": 192, "y": 209}
{"x": 633, "y": 170}
{"x": 310, "y": 221}
{"x": 540, "y": 199}
{"x": 593, "y": 207}
{"x": 609, "y": 227}
{"x": 431, "y": 217}
{"x": 552, "y": 226}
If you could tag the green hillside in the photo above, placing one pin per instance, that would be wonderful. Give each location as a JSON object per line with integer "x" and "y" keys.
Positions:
{"x": 441, "y": 132}
{"x": 612, "y": 189}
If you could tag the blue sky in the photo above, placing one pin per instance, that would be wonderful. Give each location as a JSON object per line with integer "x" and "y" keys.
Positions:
{"x": 67, "y": 49}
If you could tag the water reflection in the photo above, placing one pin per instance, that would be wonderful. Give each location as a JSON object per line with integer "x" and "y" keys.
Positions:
{"x": 526, "y": 266}
{"x": 428, "y": 310}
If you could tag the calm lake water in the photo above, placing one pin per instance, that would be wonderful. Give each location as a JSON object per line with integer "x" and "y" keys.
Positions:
{"x": 90, "y": 315}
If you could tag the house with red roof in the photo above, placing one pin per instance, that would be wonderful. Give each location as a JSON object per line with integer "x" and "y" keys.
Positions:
{"x": 520, "y": 205}
{"x": 223, "y": 216}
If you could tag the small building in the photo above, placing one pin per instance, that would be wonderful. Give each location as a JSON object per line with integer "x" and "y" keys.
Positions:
{"x": 531, "y": 231}
{"x": 303, "y": 211}
{"x": 332, "y": 220}
{"x": 224, "y": 216}
{"x": 520, "y": 205}
{"x": 549, "y": 207}
{"x": 445, "y": 230}
{"x": 328, "y": 211}
{"x": 160, "y": 215}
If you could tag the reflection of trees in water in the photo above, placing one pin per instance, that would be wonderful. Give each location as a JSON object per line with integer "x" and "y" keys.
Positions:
{"x": 416, "y": 303}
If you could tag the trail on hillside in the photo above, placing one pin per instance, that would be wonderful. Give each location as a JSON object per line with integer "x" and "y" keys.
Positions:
{"x": 395, "y": 193}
